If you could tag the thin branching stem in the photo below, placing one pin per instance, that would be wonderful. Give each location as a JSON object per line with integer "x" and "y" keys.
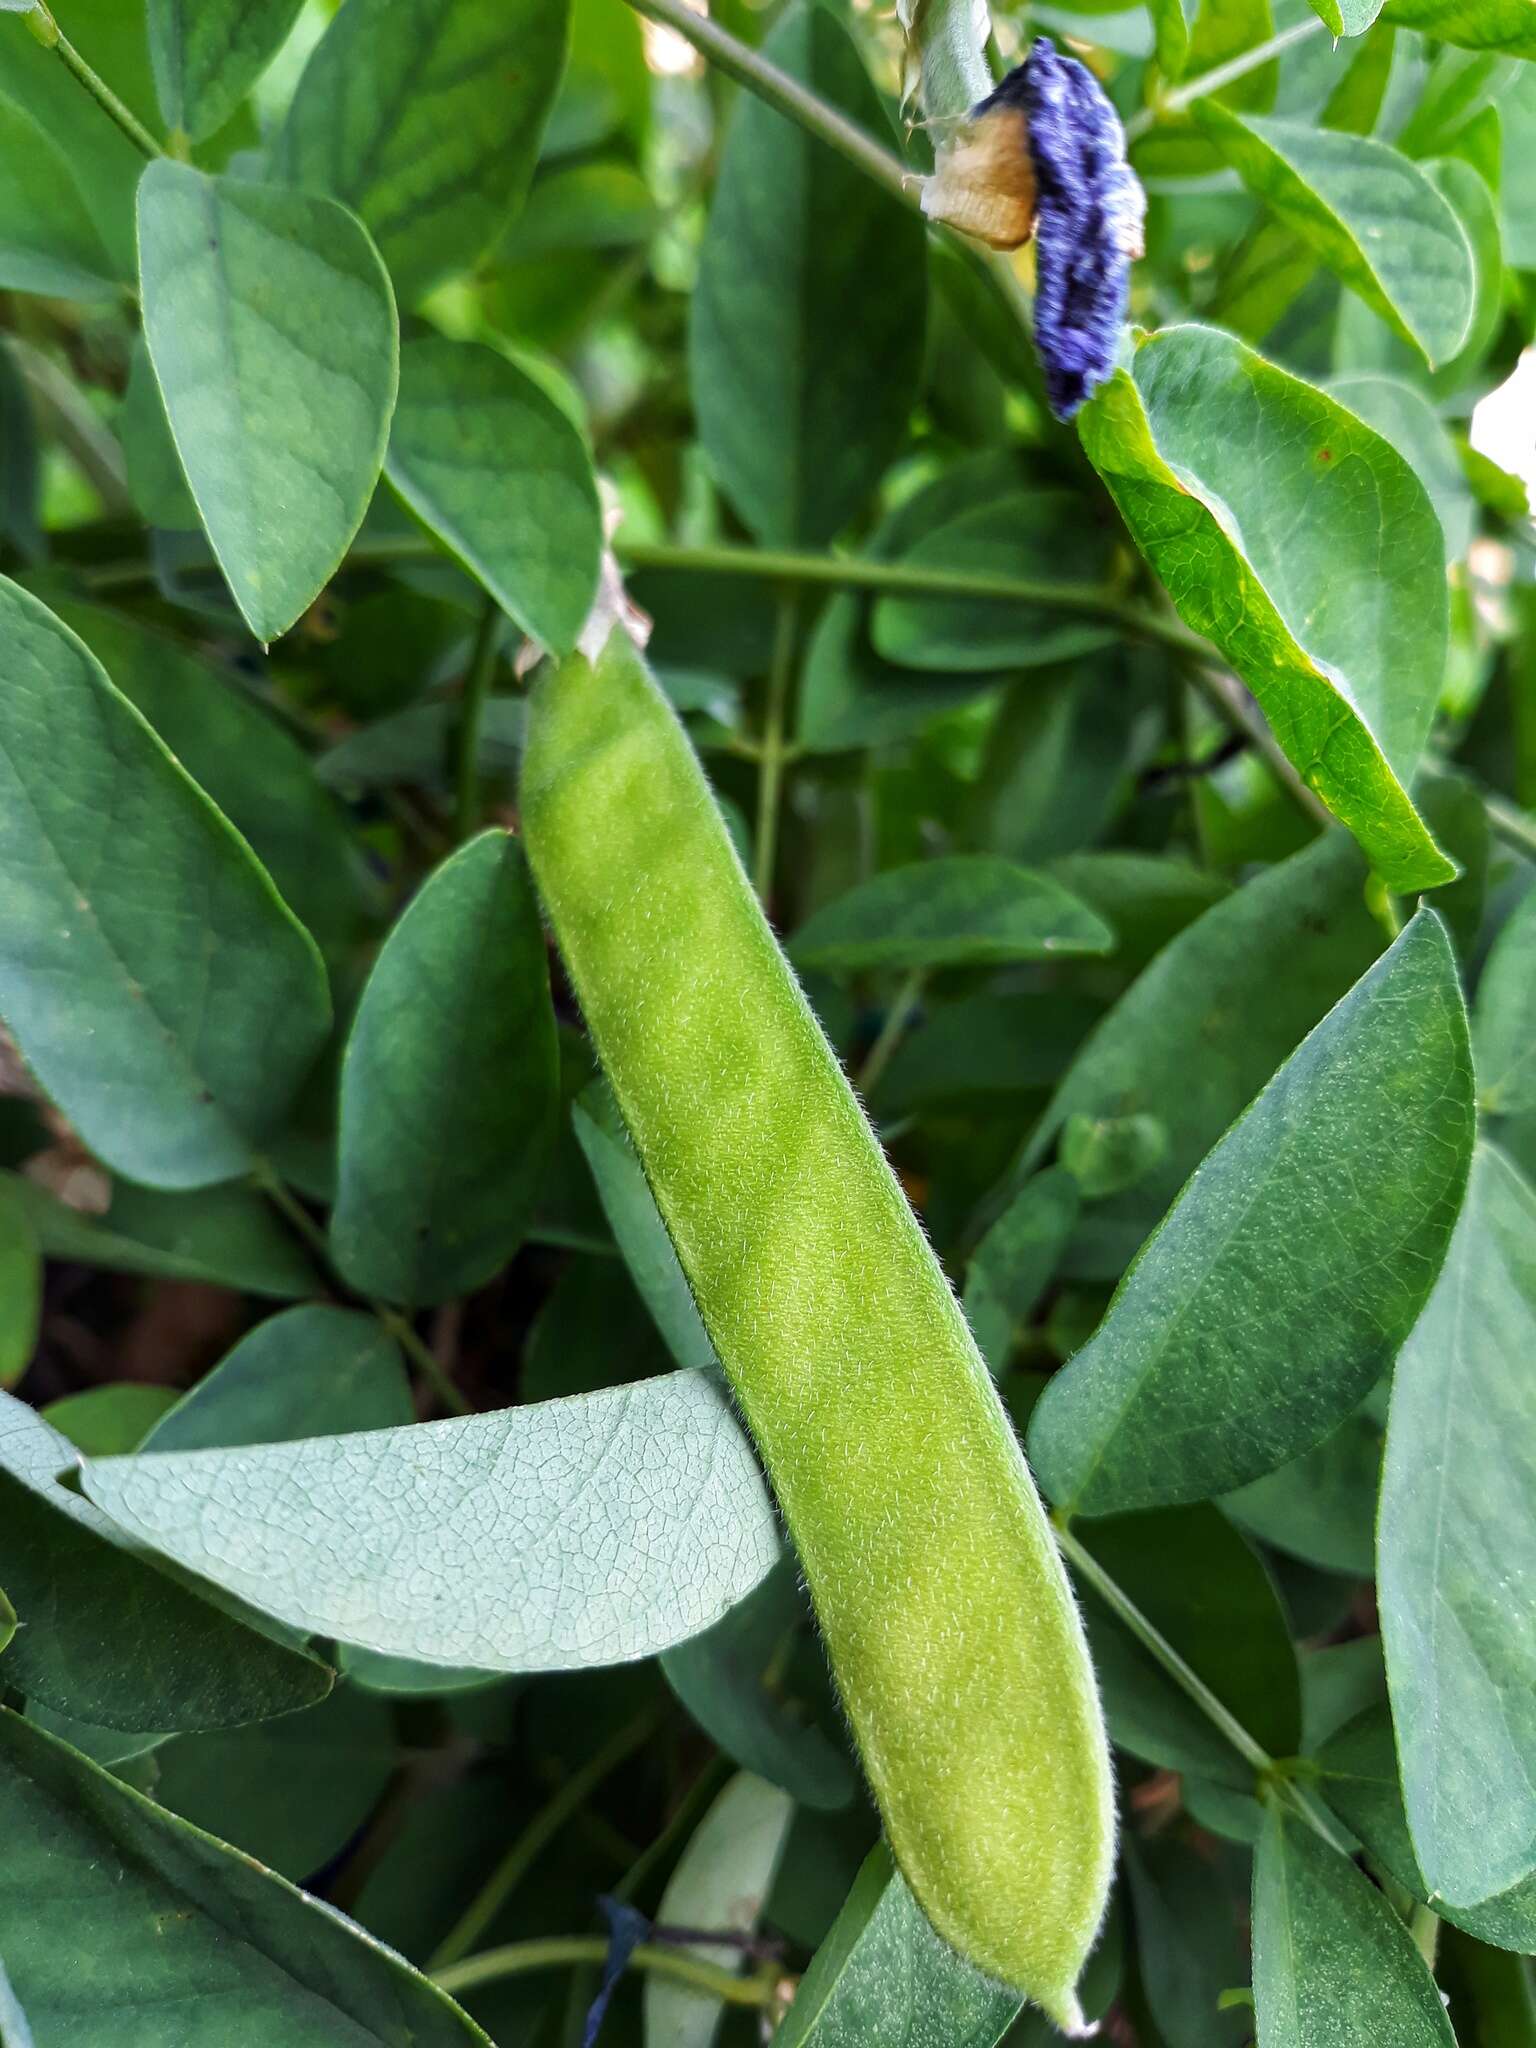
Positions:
{"x": 47, "y": 31}
{"x": 567, "y": 1950}
{"x": 1219, "y": 77}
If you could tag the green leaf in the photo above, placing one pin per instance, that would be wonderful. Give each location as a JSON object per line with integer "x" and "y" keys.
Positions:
{"x": 271, "y": 327}
{"x": 292, "y": 1792}
{"x": 1504, "y": 1016}
{"x": 1360, "y": 1781}
{"x": 1406, "y": 418}
{"x": 227, "y": 1236}
{"x": 1313, "y": 1231}
{"x": 1202, "y": 1587}
{"x": 722, "y": 1880}
{"x": 450, "y": 1085}
{"x": 882, "y": 1976}
{"x": 1333, "y": 1966}
{"x": 1014, "y": 1263}
{"x": 7, "y": 1621}
{"x": 1147, "y": 899}
{"x": 312, "y": 1371}
{"x": 720, "y": 1678}
{"x": 209, "y": 53}
{"x": 1456, "y": 1550}
{"x": 810, "y": 277}
{"x": 1475, "y": 206}
{"x": 157, "y": 986}
{"x": 961, "y": 910}
{"x": 1189, "y": 1917}
{"x": 21, "y": 1285}
{"x": 1171, "y": 21}
{"x": 259, "y": 777}
{"x": 1107, "y": 1155}
{"x": 1034, "y": 535}
{"x": 1056, "y": 760}
{"x": 157, "y": 482}
{"x": 20, "y": 473}
{"x": 637, "y": 1227}
{"x": 1375, "y": 218}
{"x": 110, "y": 1638}
{"x": 498, "y": 472}
{"x": 1508, "y": 25}
{"x": 1321, "y": 1507}
{"x": 180, "y": 1924}
{"x": 1205, "y": 1026}
{"x": 107, "y": 1422}
{"x": 589, "y": 1531}
{"x": 1305, "y": 547}
{"x": 48, "y": 241}
{"x": 1346, "y": 17}
{"x": 425, "y": 117}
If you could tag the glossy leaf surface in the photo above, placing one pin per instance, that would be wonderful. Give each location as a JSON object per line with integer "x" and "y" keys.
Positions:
{"x": 449, "y": 1087}
{"x": 1305, "y": 547}
{"x": 587, "y": 1531}
{"x": 271, "y": 327}
{"x": 1312, "y": 1234}
{"x": 172, "y": 1041}
{"x": 1455, "y": 1546}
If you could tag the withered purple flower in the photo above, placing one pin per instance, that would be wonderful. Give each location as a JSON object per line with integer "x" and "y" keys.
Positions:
{"x": 1046, "y": 152}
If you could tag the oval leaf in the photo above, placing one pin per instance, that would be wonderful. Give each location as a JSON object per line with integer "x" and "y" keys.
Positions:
{"x": 450, "y": 1088}
{"x": 1302, "y": 544}
{"x": 209, "y": 53}
{"x": 48, "y": 241}
{"x": 1504, "y": 1017}
{"x": 498, "y": 472}
{"x": 882, "y": 1975}
{"x": 1333, "y": 1966}
{"x": 1375, "y": 218}
{"x": 1508, "y": 25}
{"x": 809, "y": 278}
{"x": 1456, "y": 1550}
{"x": 587, "y": 1531}
{"x": 425, "y": 117}
{"x": 113, "y": 1639}
{"x": 271, "y": 328}
{"x": 181, "y": 1924}
{"x": 157, "y": 985}
{"x": 963, "y": 910}
{"x": 1312, "y": 1234}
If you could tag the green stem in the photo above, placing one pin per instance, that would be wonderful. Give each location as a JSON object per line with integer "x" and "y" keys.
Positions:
{"x": 788, "y": 96}
{"x": 477, "y": 688}
{"x": 1125, "y": 1609}
{"x": 771, "y": 745}
{"x": 848, "y": 572}
{"x": 47, "y": 31}
{"x": 282, "y": 1198}
{"x": 560, "y": 1951}
{"x": 891, "y": 1032}
{"x": 1219, "y": 77}
{"x": 534, "y": 1839}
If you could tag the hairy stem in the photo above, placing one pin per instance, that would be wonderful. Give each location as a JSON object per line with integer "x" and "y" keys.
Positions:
{"x": 561, "y": 1951}
{"x": 47, "y": 31}
{"x": 531, "y": 1843}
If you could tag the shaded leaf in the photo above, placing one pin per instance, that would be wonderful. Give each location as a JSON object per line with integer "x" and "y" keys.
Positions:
{"x": 1312, "y": 1233}
{"x": 882, "y": 1975}
{"x": 722, "y": 1880}
{"x": 1014, "y": 1263}
{"x": 961, "y": 910}
{"x": 106, "y": 1422}
{"x": 312, "y": 1371}
{"x": 808, "y": 277}
{"x": 1504, "y": 1016}
{"x": 21, "y": 1285}
{"x": 271, "y": 327}
{"x": 1333, "y": 1966}
{"x": 209, "y": 53}
{"x": 155, "y": 982}
{"x": 1189, "y": 1916}
{"x": 109, "y": 1638}
{"x": 1456, "y": 1550}
{"x": 1508, "y": 25}
{"x": 178, "y": 1922}
{"x": 498, "y": 472}
{"x": 587, "y": 1531}
{"x": 1056, "y": 760}
{"x": 450, "y": 1085}
{"x": 48, "y": 241}
{"x": 721, "y": 1678}
{"x": 425, "y": 117}
{"x": 1306, "y": 548}
{"x": 1321, "y": 1507}
{"x": 157, "y": 482}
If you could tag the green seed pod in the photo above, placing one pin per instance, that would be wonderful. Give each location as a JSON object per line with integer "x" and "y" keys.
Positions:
{"x": 947, "y": 1614}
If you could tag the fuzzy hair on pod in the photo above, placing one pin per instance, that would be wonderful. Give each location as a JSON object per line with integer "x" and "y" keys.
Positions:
{"x": 1089, "y": 210}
